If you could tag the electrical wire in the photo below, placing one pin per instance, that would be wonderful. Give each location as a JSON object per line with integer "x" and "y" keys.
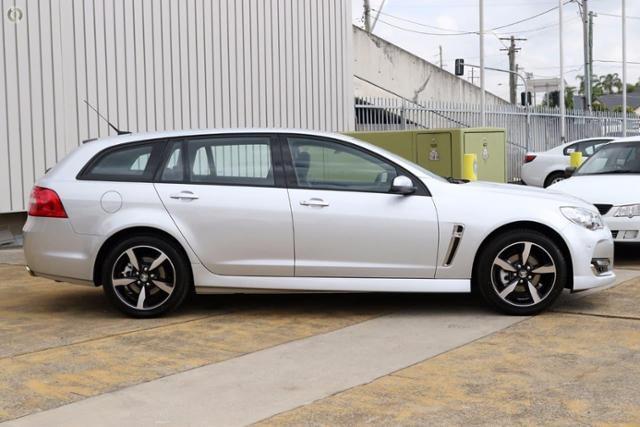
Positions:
{"x": 455, "y": 32}
{"x": 615, "y": 16}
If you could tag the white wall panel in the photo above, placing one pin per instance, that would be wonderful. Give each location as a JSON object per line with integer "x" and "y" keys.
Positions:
{"x": 163, "y": 64}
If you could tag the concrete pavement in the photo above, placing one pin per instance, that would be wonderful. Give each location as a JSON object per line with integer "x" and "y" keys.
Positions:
{"x": 313, "y": 359}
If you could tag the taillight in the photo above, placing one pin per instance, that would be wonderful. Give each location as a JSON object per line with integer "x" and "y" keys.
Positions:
{"x": 529, "y": 158}
{"x": 45, "y": 202}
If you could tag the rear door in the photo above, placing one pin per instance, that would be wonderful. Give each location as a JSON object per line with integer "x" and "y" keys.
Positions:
{"x": 226, "y": 194}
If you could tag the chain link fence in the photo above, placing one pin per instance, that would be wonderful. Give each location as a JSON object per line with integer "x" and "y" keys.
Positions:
{"x": 532, "y": 129}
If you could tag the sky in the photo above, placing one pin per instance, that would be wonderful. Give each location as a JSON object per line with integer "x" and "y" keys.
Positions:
{"x": 540, "y": 52}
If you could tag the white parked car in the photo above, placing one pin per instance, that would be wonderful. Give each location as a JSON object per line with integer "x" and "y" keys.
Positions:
{"x": 150, "y": 216}
{"x": 546, "y": 168}
{"x": 610, "y": 179}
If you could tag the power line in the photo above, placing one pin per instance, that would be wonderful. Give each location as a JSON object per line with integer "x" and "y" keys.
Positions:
{"x": 426, "y": 33}
{"x": 533, "y": 30}
{"x": 457, "y": 32}
{"x": 615, "y": 62}
{"x": 612, "y": 15}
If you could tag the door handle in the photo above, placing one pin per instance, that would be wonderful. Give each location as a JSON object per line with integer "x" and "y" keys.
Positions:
{"x": 314, "y": 201}
{"x": 184, "y": 195}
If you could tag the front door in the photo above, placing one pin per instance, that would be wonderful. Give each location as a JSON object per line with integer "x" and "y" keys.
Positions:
{"x": 226, "y": 195}
{"x": 347, "y": 222}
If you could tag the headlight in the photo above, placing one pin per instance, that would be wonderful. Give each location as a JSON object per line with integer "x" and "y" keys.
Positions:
{"x": 584, "y": 217}
{"x": 628, "y": 210}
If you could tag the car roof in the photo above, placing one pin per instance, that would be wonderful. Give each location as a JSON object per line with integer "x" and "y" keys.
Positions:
{"x": 635, "y": 138}
{"x": 143, "y": 136}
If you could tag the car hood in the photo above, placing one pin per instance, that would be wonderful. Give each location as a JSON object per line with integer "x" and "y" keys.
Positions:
{"x": 525, "y": 191}
{"x": 621, "y": 189}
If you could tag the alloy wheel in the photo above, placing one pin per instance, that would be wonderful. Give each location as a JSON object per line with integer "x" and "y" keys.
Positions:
{"x": 523, "y": 274}
{"x": 143, "y": 277}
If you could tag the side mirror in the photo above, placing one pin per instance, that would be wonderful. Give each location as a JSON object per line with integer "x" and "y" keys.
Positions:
{"x": 569, "y": 171}
{"x": 402, "y": 185}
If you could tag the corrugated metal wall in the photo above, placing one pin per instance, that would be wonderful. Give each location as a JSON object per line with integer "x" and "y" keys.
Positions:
{"x": 163, "y": 64}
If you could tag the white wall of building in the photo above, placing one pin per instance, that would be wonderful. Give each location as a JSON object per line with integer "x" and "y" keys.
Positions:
{"x": 382, "y": 69}
{"x": 163, "y": 64}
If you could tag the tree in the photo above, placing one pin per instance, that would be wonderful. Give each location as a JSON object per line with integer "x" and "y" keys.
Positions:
{"x": 569, "y": 93}
{"x": 611, "y": 83}
{"x": 596, "y": 86}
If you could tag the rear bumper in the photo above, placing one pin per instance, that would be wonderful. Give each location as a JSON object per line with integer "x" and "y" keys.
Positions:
{"x": 529, "y": 175}
{"x": 53, "y": 250}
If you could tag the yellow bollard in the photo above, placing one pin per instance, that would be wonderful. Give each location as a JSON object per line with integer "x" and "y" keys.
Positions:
{"x": 470, "y": 167}
{"x": 575, "y": 159}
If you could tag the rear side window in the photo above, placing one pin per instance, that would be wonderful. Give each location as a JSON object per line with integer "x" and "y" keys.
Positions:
{"x": 133, "y": 162}
{"x": 242, "y": 160}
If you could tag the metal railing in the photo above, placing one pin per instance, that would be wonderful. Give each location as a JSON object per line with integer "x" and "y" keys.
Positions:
{"x": 532, "y": 129}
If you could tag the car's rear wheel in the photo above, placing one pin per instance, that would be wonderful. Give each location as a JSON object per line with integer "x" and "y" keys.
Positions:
{"x": 553, "y": 178}
{"x": 144, "y": 276}
{"x": 521, "y": 272}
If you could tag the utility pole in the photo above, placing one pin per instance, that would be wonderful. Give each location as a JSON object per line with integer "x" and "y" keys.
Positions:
{"x": 563, "y": 130}
{"x": 591, "y": 16}
{"x": 367, "y": 16}
{"x": 587, "y": 27}
{"x": 483, "y": 97}
{"x": 440, "y": 51}
{"x": 513, "y": 78}
{"x": 624, "y": 68}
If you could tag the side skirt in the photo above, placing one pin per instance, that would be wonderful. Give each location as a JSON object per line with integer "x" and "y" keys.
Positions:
{"x": 207, "y": 283}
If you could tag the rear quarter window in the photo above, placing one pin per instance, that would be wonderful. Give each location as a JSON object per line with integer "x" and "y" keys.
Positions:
{"x": 131, "y": 162}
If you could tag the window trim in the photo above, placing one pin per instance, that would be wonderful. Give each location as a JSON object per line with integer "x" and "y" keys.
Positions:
{"x": 292, "y": 180}
{"x": 276, "y": 160}
{"x": 155, "y": 159}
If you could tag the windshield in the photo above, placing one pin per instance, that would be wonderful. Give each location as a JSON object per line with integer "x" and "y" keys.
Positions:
{"x": 613, "y": 158}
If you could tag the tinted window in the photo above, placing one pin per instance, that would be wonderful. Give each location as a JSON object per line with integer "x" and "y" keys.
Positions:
{"x": 131, "y": 162}
{"x": 588, "y": 148}
{"x": 231, "y": 160}
{"x": 616, "y": 158}
{"x": 570, "y": 149}
{"x": 326, "y": 164}
{"x": 174, "y": 168}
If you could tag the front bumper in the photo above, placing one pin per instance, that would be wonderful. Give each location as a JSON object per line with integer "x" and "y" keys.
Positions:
{"x": 624, "y": 229}
{"x": 586, "y": 247}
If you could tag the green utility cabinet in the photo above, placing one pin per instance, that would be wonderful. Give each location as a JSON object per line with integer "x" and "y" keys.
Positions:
{"x": 442, "y": 150}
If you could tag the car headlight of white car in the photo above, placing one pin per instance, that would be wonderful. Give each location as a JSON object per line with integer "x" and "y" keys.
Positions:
{"x": 584, "y": 217}
{"x": 628, "y": 210}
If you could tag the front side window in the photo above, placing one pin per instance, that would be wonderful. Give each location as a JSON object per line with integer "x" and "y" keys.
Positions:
{"x": 131, "y": 162}
{"x": 324, "y": 164}
{"x": 231, "y": 160}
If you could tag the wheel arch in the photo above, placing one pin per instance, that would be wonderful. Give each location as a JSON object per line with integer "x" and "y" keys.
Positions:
{"x": 527, "y": 225}
{"x": 546, "y": 183}
{"x": 114, "y": 239}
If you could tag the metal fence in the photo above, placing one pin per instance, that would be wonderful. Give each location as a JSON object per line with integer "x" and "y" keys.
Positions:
{"x": 532, "y": 129}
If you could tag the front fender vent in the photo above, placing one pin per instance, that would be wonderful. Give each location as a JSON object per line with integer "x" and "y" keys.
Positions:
{"x": 456, "y": 237}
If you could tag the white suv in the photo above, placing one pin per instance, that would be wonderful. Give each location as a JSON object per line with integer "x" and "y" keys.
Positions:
{"x": 150, "y": 217}
{"x": 546, "y": 168}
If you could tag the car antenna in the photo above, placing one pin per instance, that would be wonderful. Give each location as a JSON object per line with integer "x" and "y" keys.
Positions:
{"x": 111, "y": 125}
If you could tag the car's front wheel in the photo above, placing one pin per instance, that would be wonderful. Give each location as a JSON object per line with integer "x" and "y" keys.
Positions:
{"x": 521, "y": 272}
{"x": 144, "y": 276}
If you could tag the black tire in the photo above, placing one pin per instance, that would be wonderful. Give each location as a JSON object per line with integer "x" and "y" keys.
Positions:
{"x": 495, "y": 277}
{"x": 553, "y": 178}
{"x": 166, "y": 286}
